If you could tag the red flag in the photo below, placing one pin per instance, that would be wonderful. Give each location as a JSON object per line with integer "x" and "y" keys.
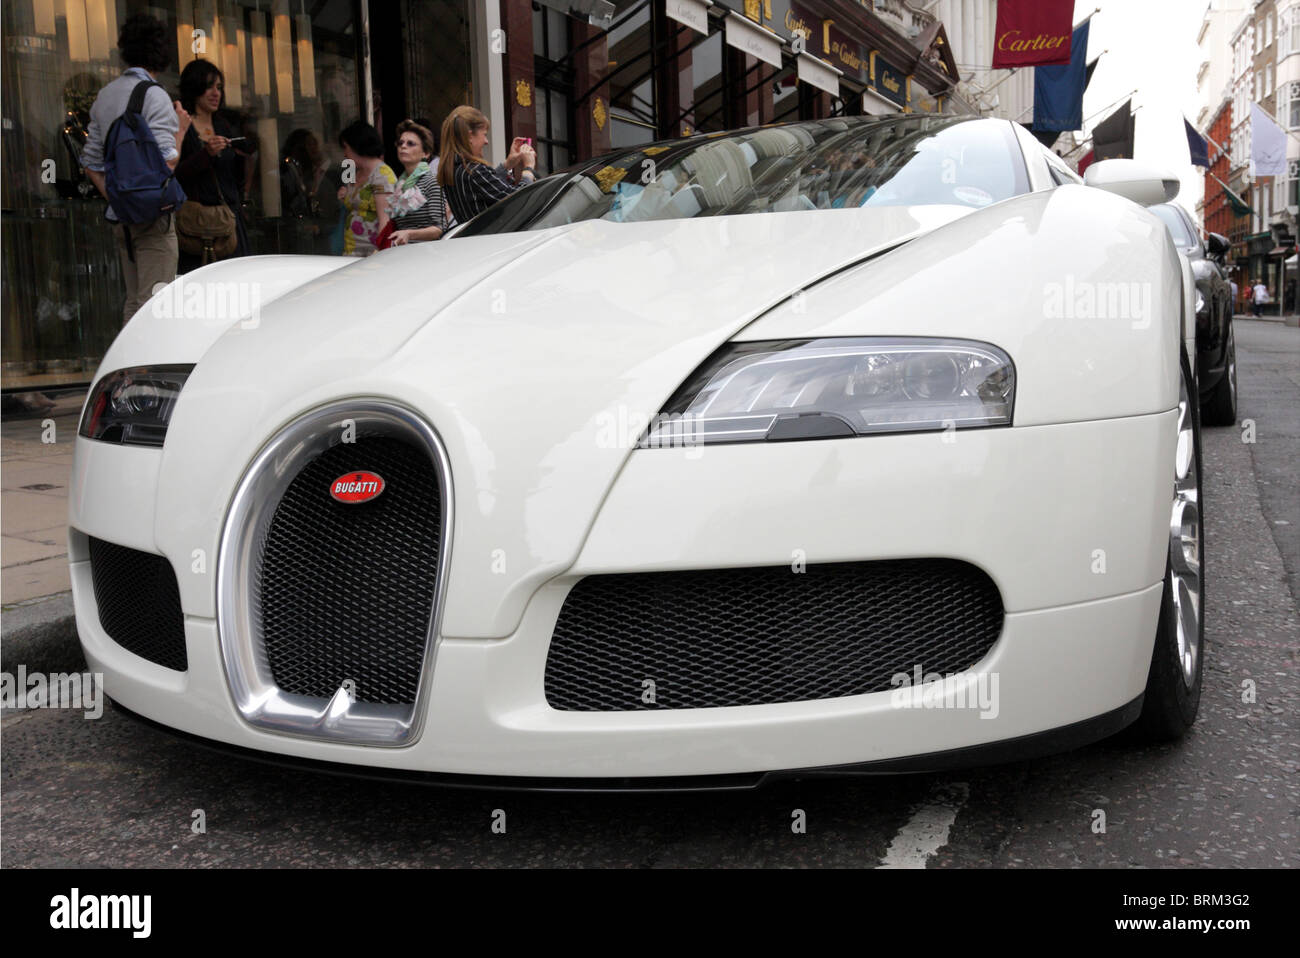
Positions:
{"x": 1032, "y": 33}
{"x": 1085, "y": 161}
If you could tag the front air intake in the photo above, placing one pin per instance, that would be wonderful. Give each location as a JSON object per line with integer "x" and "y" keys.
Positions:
{"x": 760, "y": 636}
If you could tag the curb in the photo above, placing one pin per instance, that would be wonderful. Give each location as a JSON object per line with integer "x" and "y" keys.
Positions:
{"x": 42, "y": 636}
{"x": 1289, "y": 320}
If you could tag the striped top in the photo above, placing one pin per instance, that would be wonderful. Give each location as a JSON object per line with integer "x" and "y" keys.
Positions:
{"x": 475, "y": 187}
{"x": 419, "y": 206}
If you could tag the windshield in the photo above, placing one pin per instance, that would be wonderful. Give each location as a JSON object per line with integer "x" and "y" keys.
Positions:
{"x": 817, "y": 165}
{"x": 1177, "y": 226}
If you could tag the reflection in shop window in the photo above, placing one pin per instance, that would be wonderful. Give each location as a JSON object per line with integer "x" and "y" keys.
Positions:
{"x": 631, "y": 83}
{"x": 290, "y": 71}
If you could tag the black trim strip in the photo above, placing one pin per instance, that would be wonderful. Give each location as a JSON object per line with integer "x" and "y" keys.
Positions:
{"x": 1036, "y": 745}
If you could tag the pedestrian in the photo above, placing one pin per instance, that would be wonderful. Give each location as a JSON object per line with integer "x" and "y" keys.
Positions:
{"x": 471, "y": 183}
{"x": 433, "y": 168}
{"x": 210, "y": 225}
{"x": 417, "y": 209}
{"x": 1260, "y": 296}
{"x": 147, "y": 250}
{"x": 365, "y": 194}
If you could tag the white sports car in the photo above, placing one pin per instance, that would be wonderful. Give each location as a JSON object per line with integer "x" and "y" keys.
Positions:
{"x": 853, "y": 445}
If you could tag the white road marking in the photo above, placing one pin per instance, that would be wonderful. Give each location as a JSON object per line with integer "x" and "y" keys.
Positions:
{"x": 927, "y": 830}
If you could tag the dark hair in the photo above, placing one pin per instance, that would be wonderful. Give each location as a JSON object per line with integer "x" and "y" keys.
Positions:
{"x": 143, "y": 42}
{"x": 363, "y": 138}
{"x": 195, "y": 80}
{"x": 422, "y": 133}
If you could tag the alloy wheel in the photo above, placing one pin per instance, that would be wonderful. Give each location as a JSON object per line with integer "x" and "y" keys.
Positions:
{"x": 1185, "y": 542}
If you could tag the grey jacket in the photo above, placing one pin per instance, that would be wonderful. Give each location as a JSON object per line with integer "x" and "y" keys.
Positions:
{"x": 111, "y": 103}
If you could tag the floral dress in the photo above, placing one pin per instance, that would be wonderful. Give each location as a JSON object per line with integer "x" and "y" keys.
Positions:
{"x": 363, "y": 212}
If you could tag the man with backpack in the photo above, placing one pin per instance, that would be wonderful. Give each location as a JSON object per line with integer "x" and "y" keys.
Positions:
{"x": 132, "y": 147}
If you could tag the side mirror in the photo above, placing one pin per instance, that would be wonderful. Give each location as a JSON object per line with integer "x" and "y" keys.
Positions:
{"x": 1217, "y": 244}
{"x": 1140, "y": 182}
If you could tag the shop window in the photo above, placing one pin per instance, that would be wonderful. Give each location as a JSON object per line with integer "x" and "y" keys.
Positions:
{"x": 553, "y": 92}
{"x": 291, "y": 84}
{"x": 632, "y": 116}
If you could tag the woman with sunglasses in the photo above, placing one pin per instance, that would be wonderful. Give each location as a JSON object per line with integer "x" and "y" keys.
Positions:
{"x": 417, "y": 209}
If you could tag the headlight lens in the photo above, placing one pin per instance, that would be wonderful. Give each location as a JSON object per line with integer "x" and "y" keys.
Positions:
{"x": 828, "y": 388}
{"x": 134, "y": 406}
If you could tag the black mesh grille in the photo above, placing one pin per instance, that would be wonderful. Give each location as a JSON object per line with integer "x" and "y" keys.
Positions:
{"x": 759, "y": 636}
{"x": 139, "y": 602}
{"x": 345, "y": 591}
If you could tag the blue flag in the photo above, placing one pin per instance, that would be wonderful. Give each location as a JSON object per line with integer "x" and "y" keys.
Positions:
{"x": 1058, "y": 90}
{"x": 1196, "y": 146}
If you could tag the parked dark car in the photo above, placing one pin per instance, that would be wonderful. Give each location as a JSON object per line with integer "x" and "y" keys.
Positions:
{"x": 1216, "y": 351}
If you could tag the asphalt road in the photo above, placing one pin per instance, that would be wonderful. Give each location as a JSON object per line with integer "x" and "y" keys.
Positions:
{"x": 114, "y": 793}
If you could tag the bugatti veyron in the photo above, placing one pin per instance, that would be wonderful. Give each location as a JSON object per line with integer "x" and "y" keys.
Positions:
{"x": 851, "y": 445}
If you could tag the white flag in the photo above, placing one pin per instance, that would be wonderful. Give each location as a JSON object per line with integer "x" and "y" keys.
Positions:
{"x": 1267, "y": 144}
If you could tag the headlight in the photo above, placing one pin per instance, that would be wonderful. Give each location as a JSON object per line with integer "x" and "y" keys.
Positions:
{"x": 134, "y": 406}
{"x": 829, "y": 388}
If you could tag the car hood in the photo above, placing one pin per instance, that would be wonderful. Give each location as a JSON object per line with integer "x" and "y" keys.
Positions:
{"x": 537, "y": 357}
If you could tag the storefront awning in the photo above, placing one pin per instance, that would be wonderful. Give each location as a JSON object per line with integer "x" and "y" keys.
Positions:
{"x": 693, "y": 13}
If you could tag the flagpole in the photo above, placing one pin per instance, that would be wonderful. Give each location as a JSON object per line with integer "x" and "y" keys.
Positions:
{"x": 1231, "y": 192}
{"x": 1085, "y": 19}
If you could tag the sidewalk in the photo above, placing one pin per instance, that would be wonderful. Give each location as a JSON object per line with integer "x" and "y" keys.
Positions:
{"x": 1291, "y": 320}
{"x": 34, "y": 588}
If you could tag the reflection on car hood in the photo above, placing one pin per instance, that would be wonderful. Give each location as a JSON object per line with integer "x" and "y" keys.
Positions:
{"x": 534, "y": 355}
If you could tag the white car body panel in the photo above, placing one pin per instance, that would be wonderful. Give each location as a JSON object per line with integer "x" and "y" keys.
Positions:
{"x": 538, "y": 356}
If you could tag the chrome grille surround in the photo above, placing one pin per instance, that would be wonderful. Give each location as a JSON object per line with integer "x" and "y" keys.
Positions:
{"x": 259, "y": 700}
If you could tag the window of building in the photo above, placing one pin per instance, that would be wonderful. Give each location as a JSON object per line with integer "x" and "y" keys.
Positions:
{"x": 707, "y": 68}
{"x": 291, "y": 83}
{"x": 631, "y": 83}
{"x": 553, "y": 100}
{"x": 1294, "y": 44}
{"x": 1292, "y": 113}
{"x": 1268, "y": 29}
{"x": 1268, "y": 80}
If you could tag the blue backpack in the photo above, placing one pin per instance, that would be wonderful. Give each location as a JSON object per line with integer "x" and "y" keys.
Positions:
{"x": 140, "y": 185}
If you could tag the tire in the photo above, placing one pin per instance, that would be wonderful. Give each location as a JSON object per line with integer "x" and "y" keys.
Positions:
{"x": 1219, "y": 408}
{"x": 1173, "y": 691}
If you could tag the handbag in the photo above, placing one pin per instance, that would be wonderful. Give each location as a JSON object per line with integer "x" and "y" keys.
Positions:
{"x": 207, "y": 231}
{"x": 385, "y": 237}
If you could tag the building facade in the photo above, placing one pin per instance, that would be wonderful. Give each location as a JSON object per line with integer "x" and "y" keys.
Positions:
{"x": 1215, "y": 75}
{"x": 657, "y": 69}
{"x": 1217, "y": 212}
{"x": 1242, "y": 43}
{"x": 1261, "y": 244}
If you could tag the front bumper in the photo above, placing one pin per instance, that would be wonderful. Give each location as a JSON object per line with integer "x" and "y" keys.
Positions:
{"x": 1069, "y": 521}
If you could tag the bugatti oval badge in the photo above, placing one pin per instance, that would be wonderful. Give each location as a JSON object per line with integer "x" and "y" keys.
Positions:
{"x": 357, "y": 487}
